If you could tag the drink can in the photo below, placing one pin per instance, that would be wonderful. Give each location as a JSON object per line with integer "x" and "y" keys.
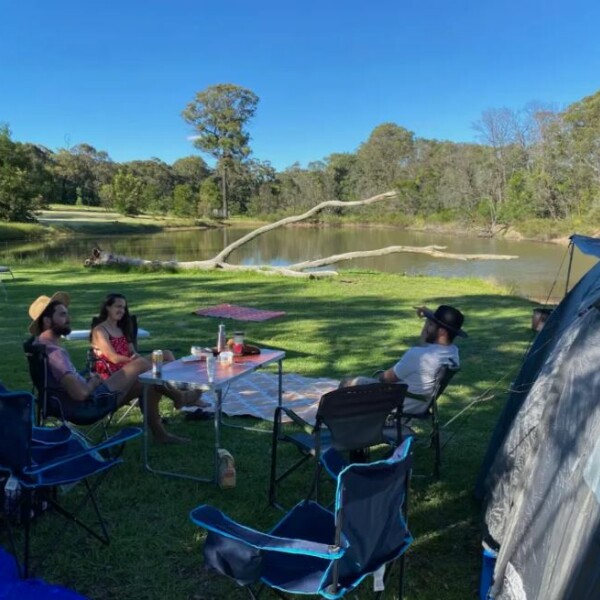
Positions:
{"x": 238, "y": 343}
{"x": 157, "y": 363}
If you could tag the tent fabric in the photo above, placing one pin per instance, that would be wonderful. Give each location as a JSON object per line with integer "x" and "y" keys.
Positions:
{"x": 540, "y": 480}
{"x": 586, "y": 244}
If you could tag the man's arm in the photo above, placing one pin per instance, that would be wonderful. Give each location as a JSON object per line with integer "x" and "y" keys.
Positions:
{"x": 77, "y": 388}
{"x": 388, "y": 376}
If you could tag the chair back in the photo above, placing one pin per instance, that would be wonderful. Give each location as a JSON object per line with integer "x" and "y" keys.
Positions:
{"x": 37, "y": 361}
{"x": 371, "y": 502}
{"x": 356, "y": 415}
{"x": 15, "y": 430}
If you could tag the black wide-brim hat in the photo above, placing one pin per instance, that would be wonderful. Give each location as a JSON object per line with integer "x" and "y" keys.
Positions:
{"x": 449, "y": 318}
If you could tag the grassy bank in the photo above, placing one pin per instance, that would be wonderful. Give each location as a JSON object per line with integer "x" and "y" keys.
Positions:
{"x": 86, "y": 220}
{"x": 353, "y": 324}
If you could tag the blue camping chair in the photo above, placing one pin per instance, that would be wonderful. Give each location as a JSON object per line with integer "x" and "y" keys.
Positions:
{"x": 316, "y": 551}
{"x": 12, "y": 587}
{"x": 38, "y": 459}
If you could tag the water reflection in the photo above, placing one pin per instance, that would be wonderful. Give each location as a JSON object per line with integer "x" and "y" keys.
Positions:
{"x": 532, "y": 274}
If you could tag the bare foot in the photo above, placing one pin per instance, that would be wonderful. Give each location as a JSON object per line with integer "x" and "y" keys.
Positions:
{"x": 169, "y": 438}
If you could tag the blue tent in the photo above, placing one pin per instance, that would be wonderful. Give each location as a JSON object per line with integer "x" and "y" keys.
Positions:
{"x": 540, "y": 479}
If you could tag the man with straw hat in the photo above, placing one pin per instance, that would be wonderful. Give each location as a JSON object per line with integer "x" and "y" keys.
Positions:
{"x": 419, "y": 365}
{"x": 94, "y": 396}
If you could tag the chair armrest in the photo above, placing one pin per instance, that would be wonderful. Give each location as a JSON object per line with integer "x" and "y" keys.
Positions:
{"x": 121, "y": 437}
{"x": 333, "y": 462}
{"x": 296, "y": 419}
{"x": 216, "y": 521}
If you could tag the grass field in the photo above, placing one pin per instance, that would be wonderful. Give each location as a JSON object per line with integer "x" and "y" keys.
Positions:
{"x": 355, "y": 323}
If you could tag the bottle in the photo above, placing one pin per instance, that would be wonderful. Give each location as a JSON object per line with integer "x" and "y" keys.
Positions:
{"x": 157, "y": 363}
{"x": 226, "y": 477}
{"x": 221, "y": 339}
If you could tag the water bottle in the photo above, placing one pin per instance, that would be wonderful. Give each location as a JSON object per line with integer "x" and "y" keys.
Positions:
{"x": 221, "y": 339}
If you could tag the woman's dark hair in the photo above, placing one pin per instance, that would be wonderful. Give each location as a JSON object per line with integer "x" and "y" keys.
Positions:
{"x": 125, "y": 323}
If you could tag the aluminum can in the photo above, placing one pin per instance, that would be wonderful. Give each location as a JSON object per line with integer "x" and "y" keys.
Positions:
{"x": 157, "y": 363}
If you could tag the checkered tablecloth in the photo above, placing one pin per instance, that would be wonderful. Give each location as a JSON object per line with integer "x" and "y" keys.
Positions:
{"x": 256, "y": 395}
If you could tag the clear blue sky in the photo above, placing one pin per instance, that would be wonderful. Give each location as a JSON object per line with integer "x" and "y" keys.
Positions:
{"x": 117, "y": 74}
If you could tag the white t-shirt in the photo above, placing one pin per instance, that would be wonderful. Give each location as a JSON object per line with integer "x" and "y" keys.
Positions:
{"x": 419, "y": 365}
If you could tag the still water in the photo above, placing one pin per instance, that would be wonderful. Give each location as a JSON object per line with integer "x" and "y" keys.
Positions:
{"x": 533, "y": 274}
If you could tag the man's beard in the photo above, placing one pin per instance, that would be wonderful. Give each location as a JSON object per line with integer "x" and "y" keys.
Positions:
{"x": 61, "y": 330}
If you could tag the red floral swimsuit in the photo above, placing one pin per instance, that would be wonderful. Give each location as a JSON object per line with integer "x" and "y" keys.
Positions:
{"x": 104, "y": 367}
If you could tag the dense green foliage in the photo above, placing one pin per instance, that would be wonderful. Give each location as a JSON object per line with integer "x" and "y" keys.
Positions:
{"x": 531, "y": 165}
{"x": 351, "y": 324}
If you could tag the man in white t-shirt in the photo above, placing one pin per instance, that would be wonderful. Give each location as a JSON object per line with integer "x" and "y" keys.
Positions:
{"x": 419, "y": 366}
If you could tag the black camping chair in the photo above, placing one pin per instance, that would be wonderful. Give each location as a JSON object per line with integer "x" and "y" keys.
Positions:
{"x": 316, "y": 551}
{"x": 425, "y": 408}
{"x": 48, "y": 401}
{"x": 38, "y": 459}
{"x": 350, "y": 419}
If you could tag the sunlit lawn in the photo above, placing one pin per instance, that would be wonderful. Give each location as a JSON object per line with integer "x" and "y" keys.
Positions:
{"x": 353, "y": 324}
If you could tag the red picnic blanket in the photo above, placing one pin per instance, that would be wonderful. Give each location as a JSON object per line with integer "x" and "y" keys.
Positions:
{"x": 240, "y": 313}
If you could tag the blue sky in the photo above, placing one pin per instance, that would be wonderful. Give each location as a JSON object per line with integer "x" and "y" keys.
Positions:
{"x": 117, "y": 75}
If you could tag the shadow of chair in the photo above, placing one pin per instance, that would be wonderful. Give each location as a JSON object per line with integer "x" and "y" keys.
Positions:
{"x": 39, "y": 459}
{"x": 316, "y": 551}
{"x": 350, "y": 419}
{"x": 425, "y": 408}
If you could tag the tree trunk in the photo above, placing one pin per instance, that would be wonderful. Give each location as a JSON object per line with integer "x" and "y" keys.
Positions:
{"x": 100, "y": 257}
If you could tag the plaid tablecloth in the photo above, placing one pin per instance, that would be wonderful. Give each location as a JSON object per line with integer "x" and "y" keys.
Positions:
{"x": 256, "y": 395}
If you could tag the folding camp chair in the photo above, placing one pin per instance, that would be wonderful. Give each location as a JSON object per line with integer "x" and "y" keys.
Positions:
{"x": 38, "y": 459}
{"x": 48, "y": 401}
{"x": 426, "y": 408}
{"x": 350, "y": 419}
{"x": 316, "y": 551}
{"x": 12, "y": 587}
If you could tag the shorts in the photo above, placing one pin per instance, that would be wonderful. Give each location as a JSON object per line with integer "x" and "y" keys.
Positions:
{"x": 101, "y": 403}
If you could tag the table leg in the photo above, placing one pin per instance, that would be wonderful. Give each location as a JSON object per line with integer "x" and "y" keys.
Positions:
{"x": 218, "y": 408}
{"x": 146, "y": 459}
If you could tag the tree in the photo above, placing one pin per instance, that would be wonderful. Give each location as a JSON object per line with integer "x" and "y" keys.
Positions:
{"x": 384, "y": 157}
{"x": 219, "y": 115}
{"x": 127, "y": 192}
{"x": 21, "y": 190}
{"x": 191, "y": 170}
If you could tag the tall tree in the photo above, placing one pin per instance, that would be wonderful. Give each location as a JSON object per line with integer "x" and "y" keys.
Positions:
{"x": 21, "y": 186}
{"x": 219, "y": 115}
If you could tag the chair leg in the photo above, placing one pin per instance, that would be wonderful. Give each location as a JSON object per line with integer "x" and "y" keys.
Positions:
{"x": 435, "y": 440}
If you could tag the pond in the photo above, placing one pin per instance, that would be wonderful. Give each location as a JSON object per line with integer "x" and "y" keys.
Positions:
{"x": 533, "y": 274}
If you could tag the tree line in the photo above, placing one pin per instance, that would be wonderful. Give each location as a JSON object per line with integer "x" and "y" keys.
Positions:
{"x": 532, "y": 163}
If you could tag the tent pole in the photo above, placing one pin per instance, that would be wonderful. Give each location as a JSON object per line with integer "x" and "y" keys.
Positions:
{"x": 571, "y": 249}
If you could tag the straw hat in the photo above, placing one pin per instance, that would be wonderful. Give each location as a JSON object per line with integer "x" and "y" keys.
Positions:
{"x": 39, "y": 305}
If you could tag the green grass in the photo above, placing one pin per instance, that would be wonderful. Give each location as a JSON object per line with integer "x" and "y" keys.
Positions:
{"x": 352, "y": 324}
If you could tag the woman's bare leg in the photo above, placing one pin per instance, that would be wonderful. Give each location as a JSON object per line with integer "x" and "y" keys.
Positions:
{"x": 126, "y": 383}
